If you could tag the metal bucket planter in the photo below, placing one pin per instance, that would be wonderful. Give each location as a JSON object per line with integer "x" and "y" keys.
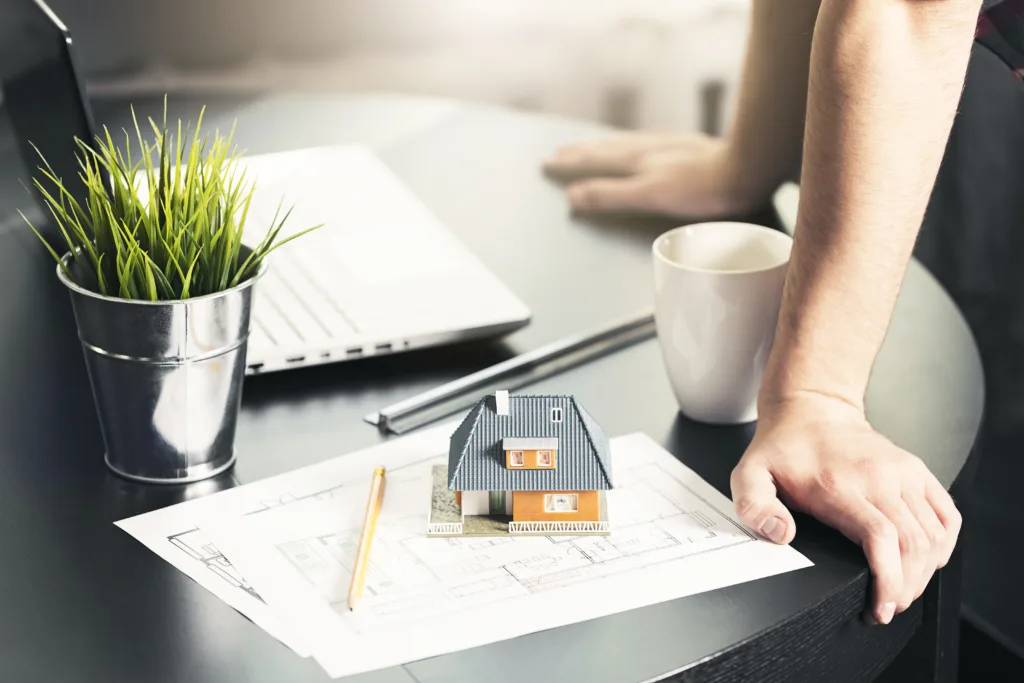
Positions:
{"x": 166, "y": 377}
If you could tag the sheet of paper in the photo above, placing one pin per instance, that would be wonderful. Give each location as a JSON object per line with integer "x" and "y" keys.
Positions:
{"x": 672, "y": 535}
{"x": 173, "y": 532}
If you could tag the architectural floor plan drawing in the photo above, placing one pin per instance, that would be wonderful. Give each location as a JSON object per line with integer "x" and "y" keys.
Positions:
{"x": 414, "y": 576}
{"x": 196, "y": 545}
{"x": 672, "y": 535}
{"x": 173, "y": 532}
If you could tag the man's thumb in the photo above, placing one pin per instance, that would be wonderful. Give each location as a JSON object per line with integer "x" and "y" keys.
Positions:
{"x": 757, "y": 502}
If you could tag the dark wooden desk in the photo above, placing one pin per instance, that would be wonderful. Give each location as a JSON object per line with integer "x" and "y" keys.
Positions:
{"x": 82, "y": 601}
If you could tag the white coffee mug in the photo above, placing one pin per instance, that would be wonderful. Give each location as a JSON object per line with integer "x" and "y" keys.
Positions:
{"x": 718, "y": 288}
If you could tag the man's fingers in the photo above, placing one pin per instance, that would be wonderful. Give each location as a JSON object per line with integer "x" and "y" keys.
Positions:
{"x": 757, "y": 502}
{"x": 582, "y": 162}
{"x": 947, "y": 514}
{"x": 914, "y": 546}
{"x": 915, "y": 549}
{"x": 863, "y": 523}
{"x": 933, "y": 529}
{"x": 611, "y": 194}
{"x": 616, "y": 155}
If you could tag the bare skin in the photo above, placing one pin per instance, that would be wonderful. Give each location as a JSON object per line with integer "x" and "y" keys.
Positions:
{"x": 700, "y": 176}
{"x": 881, "y": 80}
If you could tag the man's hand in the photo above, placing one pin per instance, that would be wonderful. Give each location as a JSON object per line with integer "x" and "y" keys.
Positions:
{"x": 821, "y": 456}
{"x": 695, "y": 177}
{"x": 686, "y": 176}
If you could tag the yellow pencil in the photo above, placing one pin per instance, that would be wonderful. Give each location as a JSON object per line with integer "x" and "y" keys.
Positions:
{"x": 362, "y": 563}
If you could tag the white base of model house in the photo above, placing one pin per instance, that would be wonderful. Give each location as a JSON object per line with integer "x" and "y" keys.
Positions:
{"x": 487, "y": 526}
{"x": 558, "y": 527}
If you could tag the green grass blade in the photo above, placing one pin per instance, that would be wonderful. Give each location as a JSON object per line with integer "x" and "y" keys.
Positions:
{"x": 53, "y": 253}
{"x": 187, "y": 281}
{"x": 101, "y": 276}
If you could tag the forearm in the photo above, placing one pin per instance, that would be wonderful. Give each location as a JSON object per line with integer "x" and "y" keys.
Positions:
{"x": 886, "y": 77}
{"x": 767, "y": 130}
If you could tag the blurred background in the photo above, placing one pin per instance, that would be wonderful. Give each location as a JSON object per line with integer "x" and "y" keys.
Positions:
{"x": 627, "y": 63}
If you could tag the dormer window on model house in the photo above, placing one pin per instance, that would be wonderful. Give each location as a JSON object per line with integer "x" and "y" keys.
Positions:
{"x": 525, "y": 465}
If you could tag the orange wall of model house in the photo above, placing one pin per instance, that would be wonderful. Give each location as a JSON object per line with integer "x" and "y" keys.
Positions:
{"x": 530, "y": 461}
{"x": 528, "y": 506}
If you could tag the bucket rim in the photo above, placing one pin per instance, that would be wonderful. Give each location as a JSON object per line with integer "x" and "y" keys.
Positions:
{"x": 78, "y": 289}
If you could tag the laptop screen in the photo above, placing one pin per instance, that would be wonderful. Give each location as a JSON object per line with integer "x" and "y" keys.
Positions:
{"x": 41, "y": 103}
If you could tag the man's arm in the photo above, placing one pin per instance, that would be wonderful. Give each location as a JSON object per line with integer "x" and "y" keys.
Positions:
{"x": 886, "y": 77}
{"x": 690, "y": 175}
{"x": 885, "y": 81}
{"x": 768, "y": 127}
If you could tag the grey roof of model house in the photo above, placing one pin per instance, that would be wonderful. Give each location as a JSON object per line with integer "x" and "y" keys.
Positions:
{"x": 476, "y": 459}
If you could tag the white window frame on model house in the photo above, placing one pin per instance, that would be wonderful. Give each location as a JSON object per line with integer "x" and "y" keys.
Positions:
{"x": 550, "y": 459}
{"x": 556, "y": 414}
{"x": 549, "y": 502}
{"x": 512, "y": 459}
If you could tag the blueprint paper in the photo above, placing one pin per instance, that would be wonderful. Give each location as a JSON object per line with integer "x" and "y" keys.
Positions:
{"x": 672, "y": 535}
{"x": 173, "y": 532}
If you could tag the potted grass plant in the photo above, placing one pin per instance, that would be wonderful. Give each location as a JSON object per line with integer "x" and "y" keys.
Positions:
{"x": 162, "y": 287}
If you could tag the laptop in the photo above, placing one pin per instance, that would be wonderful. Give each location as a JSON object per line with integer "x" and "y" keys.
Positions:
{"x": 41, "y": 102}
{"x": 383, "y": 275}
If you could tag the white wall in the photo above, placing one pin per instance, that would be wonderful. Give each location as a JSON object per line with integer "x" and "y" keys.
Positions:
{"x": 475, "y": 503}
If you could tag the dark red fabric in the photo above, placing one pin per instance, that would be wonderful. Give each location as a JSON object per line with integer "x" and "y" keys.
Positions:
{"x": 1001, "y": 29}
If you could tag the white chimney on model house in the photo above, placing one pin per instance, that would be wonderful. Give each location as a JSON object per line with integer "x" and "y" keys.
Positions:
{"x": 501, "y": 402}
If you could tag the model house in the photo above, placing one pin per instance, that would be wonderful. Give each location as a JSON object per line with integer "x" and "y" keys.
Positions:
{"x": 538, "y": 464}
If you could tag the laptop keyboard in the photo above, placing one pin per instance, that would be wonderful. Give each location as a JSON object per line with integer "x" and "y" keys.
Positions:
{"x": 293, "y": 306}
